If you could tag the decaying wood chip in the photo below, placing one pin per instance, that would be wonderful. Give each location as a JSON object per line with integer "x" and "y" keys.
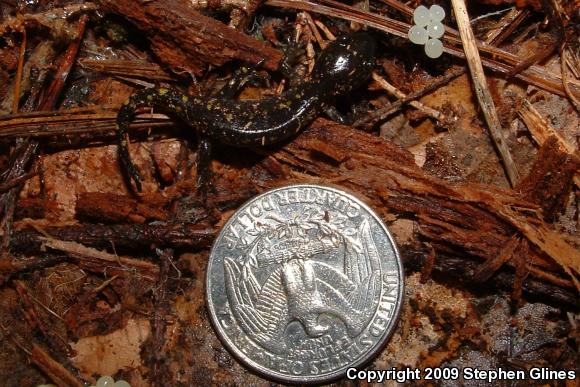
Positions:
{"x": 184, "y": 39}
{"x": 106, "y": 207}
{"x": 541, "y": 131}
{"x": 551, "y": 178}
{"x": 489, "y": 267}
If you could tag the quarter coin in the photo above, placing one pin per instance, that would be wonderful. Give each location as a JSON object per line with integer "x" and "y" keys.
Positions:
{"x": 304, "y": 282}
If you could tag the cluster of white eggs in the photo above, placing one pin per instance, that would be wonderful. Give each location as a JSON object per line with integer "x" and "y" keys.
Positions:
{"x": 104, "y": 381}
{"x": 428, "y": 29}
{"x": 107, "y": 381}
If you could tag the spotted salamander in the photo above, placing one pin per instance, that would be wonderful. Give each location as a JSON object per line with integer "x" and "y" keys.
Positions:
{"x": 343, "y": 65}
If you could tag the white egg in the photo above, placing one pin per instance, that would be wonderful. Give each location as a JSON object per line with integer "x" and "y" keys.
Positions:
{"x": 418, "y": 35}
{"x": 435, "y": 30}
{"x": 121, "y": 383}
{"x": 433, "y": 48}
{"x": 421, "y": 16}
{"x": 436, "y": 13}
{"x": 105, "y": 381}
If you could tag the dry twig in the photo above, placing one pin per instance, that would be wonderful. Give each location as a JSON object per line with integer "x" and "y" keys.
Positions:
{"x": 482, "y": 91}
{"x": 18, "y": 79}
{"x": 384, "y": 112}
{"x": 436, "y": 114}
{"x": 102, "y": 262}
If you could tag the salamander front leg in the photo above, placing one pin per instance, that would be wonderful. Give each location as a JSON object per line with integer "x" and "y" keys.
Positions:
{"x": 129, "y": 167}
{"x": 333, "y": 113}
{"x": 241, "y": 78}
{"x": 124, "y": 118}
{"x": 171, "y": 101}
{"x": 203, "y": 163}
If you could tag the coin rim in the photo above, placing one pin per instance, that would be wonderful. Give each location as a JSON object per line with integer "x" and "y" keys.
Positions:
{"x": 324, "y": 378}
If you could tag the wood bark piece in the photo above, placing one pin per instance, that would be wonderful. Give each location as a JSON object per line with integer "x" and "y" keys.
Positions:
{"x": 541, "y": 130}
{"x": 489, "y": 267}
{"x": 36, "y": 208}
{"x": 106, "y": 207}
{"x": 184, "y": 39}
{"x": 75, "y": 121}
{"x": 127, "y": 68}
{"x": 472, "y": 219}
{"x": 551, "y": 178}
{"x": 118, "y": 235}
{"x": 458, "y": 270}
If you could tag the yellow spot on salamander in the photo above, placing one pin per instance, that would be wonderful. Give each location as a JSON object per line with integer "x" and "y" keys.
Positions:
{"x": 185, "y": 98}
{"x": 150, "y": 98}
{"x": 163, "y": 91}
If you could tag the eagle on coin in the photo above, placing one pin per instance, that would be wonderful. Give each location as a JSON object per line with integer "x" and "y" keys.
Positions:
{"x": 298, "y": 276}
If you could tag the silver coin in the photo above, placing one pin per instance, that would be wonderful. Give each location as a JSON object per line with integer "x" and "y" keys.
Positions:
{"x": 304, "y": 282}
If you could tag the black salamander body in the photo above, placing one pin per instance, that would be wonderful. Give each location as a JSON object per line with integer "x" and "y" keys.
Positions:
{"x": 344, "y": 65}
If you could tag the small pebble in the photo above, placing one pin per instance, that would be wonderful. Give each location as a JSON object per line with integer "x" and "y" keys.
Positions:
{"x": 436, "y": 13}
{"x": 105, "y": 381}
{"x": 121, "y": 383}
{"x": 435, "y": 30}
{"x": 421, "y": 16}
{"x": 418, "y": 35}
{"x": 433, "y": 48}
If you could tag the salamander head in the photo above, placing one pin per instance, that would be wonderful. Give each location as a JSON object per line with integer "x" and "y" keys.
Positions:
{"x": 347, "y": 62}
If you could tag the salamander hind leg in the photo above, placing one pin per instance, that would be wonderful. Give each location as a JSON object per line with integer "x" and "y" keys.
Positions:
{"x": 170, "y": 101}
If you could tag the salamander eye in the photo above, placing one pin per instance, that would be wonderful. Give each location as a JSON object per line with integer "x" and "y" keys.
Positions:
{"x": 428, "y": 29}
